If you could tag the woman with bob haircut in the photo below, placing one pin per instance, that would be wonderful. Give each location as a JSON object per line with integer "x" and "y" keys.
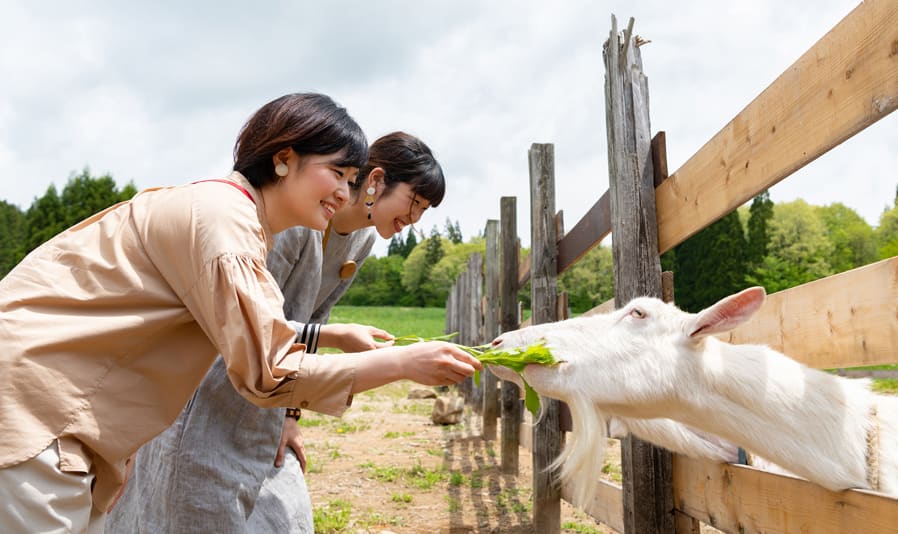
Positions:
{"x": 221, "y": 437}
{"x": 109, "y": 327}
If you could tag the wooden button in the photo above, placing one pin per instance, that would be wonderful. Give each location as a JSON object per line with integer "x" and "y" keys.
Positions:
{"x": 347, "y": 270}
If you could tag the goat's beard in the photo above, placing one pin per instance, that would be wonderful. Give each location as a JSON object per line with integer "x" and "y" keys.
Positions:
{"x": 583, "y": 455}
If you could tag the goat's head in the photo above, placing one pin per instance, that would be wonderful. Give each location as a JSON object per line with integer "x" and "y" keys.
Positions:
{"x": 625, "y": 363}
{"x": 626, "y": 358}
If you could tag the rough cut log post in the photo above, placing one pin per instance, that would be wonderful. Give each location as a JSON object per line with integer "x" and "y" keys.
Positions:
{"x": 450, "y": 307}
{"x": 490, "y": 327}
{"x": 509, "y": 320}
{"x": 474, "y": 316}
{"x": 464, "y": 336}
{"x": 647, "y": 470}
{"x": 547, "y": 438}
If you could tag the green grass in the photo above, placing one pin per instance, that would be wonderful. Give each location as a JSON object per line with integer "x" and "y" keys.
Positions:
{"x": 332, "y": 517}
{"x": 399, "y": 321}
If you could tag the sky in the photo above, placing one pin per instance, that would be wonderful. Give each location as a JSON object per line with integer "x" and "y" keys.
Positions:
{"x": 155, "y": 92}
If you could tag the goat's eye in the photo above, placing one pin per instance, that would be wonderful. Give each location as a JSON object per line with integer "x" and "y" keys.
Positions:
{"x": 636, "y": 312}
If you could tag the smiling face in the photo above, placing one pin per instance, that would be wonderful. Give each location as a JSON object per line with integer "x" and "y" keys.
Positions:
{"x": 315, "y": 187}
{"x": 394, "y": 210}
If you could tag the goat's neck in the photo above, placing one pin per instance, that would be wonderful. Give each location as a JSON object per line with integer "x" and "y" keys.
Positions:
{"x": 808, "y": 421}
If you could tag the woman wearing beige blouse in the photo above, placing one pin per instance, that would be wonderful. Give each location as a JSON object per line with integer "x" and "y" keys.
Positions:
{"x": 107, "y": 329}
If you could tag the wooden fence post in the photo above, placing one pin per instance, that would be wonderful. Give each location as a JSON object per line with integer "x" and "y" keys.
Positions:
{"x": 547, "y": 437}
{"x": 647, "y": 470}
{"x": 509, "y": 319}
{"x": 490, "y": 327}
{"x": 474, "y": 317}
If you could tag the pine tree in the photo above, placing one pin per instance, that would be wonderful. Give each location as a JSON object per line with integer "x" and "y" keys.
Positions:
{"x": 711, "y": 264}
{"x": 760, "y": 213}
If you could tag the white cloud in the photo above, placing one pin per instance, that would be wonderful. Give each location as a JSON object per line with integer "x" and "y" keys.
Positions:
{"x": 156, "y": 92}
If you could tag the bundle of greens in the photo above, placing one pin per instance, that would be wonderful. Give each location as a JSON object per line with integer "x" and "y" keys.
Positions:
{"x": 515, "y": 359}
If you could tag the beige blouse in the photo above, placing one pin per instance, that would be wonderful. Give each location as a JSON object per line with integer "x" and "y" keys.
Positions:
{"x": 107, "y": 329}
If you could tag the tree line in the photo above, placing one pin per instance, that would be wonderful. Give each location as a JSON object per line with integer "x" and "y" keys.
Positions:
{"x": 773, "y": 245}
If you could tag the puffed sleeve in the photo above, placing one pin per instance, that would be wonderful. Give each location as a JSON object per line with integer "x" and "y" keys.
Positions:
{"x": 239, "y": 305}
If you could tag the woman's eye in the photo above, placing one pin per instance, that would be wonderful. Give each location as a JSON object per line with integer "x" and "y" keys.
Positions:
{"x": 636, "y": 312}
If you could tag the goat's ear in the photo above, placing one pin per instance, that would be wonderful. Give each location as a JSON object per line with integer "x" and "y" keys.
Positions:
{"x": 727, "y": 314}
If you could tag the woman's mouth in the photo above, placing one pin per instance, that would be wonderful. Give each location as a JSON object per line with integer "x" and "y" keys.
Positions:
{"x": 398, "y": 225}
{"x": 329, "y": 209}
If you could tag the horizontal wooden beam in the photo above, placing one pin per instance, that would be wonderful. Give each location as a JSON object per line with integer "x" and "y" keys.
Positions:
{"x": 608, "y": 505}
{"x": 847, "y": 81}
{"x": 738, "y": 498}
{"x": 846, "y": 320}
{"x": 589, "y": 231}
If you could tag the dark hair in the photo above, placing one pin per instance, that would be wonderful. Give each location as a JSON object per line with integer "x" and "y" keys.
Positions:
{"x": 406, "y": 159}
{"x": 310, "y": 123}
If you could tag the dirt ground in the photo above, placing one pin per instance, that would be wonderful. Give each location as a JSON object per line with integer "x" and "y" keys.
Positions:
{"x": 385, "y": 467}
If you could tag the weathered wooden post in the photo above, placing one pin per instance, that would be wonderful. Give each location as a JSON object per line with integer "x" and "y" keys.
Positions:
{"x": 474, "y": 317}
{"x": 647, "y": 470}
{"x": 490, "y": 327}
{"x": 547, "y": 436}
{"x": 511, "y": 404}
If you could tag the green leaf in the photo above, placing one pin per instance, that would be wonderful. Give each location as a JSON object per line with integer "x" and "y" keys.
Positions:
{"x": 531, "y": 398}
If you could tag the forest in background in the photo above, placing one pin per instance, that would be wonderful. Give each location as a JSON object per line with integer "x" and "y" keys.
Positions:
{"x": 773, "y": 245}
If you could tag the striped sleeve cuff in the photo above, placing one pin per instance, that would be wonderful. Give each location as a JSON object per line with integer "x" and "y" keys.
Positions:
{"x": 307, "y": 334}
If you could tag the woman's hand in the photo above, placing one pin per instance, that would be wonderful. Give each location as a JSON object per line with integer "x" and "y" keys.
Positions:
{"x": 291, "y": 436}
{"x": 431, "y": 363}
{"x": 437, "y": 363}
{"x": 350, "y": 337}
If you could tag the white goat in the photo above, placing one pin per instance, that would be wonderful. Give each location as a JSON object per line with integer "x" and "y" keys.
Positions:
{"x": 648, "y": 362}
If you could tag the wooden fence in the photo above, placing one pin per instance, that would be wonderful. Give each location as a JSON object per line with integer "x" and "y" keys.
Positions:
{"x": 847, "y": 81}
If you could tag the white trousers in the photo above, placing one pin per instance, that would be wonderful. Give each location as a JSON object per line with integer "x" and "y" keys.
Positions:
{"x": 35, "y": 496}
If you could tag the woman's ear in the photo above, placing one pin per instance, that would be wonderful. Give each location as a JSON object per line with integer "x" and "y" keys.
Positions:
{"x": 282, "y": 157}
{"x": 375, "y": 178}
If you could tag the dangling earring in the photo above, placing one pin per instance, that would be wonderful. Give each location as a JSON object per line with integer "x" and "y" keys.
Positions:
{"x": 369, "y": 199}
{"x": 281, "y": 169}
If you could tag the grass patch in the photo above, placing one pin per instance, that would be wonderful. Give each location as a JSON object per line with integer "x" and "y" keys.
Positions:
{"x": 423, "y": 478}
{"x": 613, "y": 471}
{"x": 454, "y": 505}
{"x": 384, "y": 474}
{"x": 401, "y": 498}
{"x": 456, "y": 478}
{"x": 511, "y": 498}
{"x": 394, "y": 435}
{"x": 888, "y": 386}
{"x": 579, "y": 528}
{"x": 332, "y": 518}
{"x": 424, "y": 409}
{"x": 397, "y": 320}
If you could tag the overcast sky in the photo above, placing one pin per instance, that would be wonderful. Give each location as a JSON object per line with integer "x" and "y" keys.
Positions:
{"x": 155, "y": 92}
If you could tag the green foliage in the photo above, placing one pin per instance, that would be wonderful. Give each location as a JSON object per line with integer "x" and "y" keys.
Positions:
{"x": 332, "y": 517}
{"x": 886, "y": 235}
{"x": 417, "y": 269}
{"x": 798, "y": 251}
{"x": 590, "y": 281}
{"x": 760, "y": 213}
{"x": 398, "y": 247}
{"x": 711, "y": 264}
{"x": 453, "y": 232}
{"x": 378, "y": 283}
{"x": 850, "y": 235}
{"x": 50, "y": 214}
{"x": 454, "y": 262}
{"x": 12, "y": 234}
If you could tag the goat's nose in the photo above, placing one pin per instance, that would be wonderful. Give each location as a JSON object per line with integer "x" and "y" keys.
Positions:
{"x": 497, "y": 341}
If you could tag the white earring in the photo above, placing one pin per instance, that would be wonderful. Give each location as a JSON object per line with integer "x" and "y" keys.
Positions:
{"x": 371, "y": 191}
{"x": 281, "y": 169}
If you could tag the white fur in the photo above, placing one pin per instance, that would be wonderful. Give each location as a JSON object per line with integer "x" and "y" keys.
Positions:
{"x": 654, "y": 369}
